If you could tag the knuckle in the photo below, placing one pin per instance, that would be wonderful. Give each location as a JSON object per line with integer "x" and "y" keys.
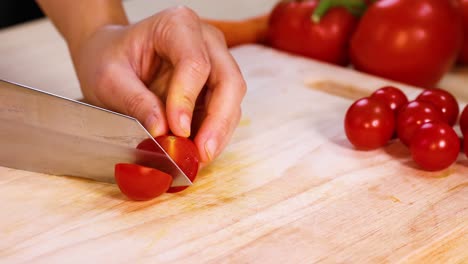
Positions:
{"x": 199, "y": 66}
{"x": 183, "y": 12}
{"x": 187, "y": 100}
{"x": 133, "y": 104}
{"x": 163, "y": 28}
{"x": 171, "y": 18}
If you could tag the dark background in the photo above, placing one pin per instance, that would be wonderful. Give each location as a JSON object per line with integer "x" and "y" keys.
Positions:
{"x": 13, "y": 12}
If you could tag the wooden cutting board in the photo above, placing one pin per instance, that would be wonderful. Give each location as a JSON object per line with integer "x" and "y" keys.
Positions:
{"x": 289, "y": 188}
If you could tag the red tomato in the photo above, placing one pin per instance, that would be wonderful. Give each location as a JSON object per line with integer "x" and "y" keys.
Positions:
{"x": 464, "y": 120}
{"x": 393, "y": 96}
{"x": 464, "y": 141}
{"x": 412, "y": 116}
{"x": 369, "y": 123}
{"x": 141, "y": 183}
{"x": 182, "y": 150}
{"x": 414, "y": 42}
{"x": 444, "y": 101}
{"x": 291, "y": 29}
{"x": 463, "y": 56}
{"x": 435, "y": 146}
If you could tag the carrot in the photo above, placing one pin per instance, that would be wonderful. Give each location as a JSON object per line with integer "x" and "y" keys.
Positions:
{"x": 245, "y": 31}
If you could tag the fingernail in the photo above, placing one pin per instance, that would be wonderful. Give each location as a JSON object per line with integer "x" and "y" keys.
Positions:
{"x": 185, "y": 124}
{"x": 152, "y": 125}
{"x": 210, "y": 148}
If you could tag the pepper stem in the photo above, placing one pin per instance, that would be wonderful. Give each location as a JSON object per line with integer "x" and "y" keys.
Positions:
{"x": 355, "y": 7}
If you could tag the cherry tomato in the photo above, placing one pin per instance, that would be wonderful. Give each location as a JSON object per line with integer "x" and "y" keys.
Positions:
{"x": 435, "y": 146}
{"x": 393, "y": 96}
{"x": 464, "y": 141}
{"x": 411, "y": 41}
{"x": 464, "y": 120}
{"x": 141, "y": 183}
{"x": 412, "y": 116}
{"x": 444, "y": 101}
{"x": 182, "y": 150}
{"x": 291, "y": 29}
{"x": 369, "y": 123}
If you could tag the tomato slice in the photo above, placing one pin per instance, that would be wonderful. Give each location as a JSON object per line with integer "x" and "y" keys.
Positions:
{"x": 182, "y": 150}
{"x": 141, "y": 183}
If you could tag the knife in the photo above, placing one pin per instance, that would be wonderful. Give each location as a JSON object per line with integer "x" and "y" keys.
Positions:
{"x": 48, "y": 133}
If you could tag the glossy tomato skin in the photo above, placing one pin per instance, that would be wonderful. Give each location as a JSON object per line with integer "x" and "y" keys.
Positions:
{"x": 412, "y": 116}
{"x": 415, "y": 42}
{"x": 182, "y": 150}
{"x": 369, "y": 123}
{"x": 291, "y": 29}
{"x": 393, "y": 96}
{"x": 464, "y": 120}
{"x": 444, "y": 101}
{"x": 184, "y": 153}
{"x": 465, "y": 144}
{"x": 141, "y": 183}
{"x": 435, "y": 146}
{"x": 463, "y": 56}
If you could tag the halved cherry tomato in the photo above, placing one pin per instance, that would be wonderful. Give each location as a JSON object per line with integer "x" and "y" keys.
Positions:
{"x": 182, "y": 150}
{"x": 141, "y": 183}
{"x": 369, "y": 123}
{"x": 435, "y": 146}
{"x": 444, "y": 101}
{"x": 412, "y": 116}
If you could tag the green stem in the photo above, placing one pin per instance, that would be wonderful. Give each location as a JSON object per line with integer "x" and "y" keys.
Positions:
{"x": 355, "y": 7}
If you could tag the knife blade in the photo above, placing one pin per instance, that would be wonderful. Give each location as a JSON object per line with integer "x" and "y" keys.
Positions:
{"x": 48, "y": 133}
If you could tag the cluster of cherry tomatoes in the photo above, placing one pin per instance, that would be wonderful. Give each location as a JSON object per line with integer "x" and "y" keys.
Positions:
{"x": 425, "y": 125}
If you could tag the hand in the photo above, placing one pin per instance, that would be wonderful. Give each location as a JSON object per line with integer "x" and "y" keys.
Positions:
{"x": 159, "y": 71}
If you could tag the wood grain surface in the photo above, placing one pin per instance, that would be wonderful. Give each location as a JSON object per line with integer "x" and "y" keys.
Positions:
{"x": 288, "y": 189}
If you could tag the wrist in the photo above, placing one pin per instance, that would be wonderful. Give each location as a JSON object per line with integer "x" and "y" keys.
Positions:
{"x": 76, "y": 37}
{"x": 77, "y": 21}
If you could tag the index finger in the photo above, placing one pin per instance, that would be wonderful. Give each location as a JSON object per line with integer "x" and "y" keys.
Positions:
{"x": 223, "y": 106}
{"x": 178, "y": 38}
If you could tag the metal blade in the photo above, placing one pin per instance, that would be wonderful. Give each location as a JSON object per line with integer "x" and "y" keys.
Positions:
{"x": 47, "y": 133}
